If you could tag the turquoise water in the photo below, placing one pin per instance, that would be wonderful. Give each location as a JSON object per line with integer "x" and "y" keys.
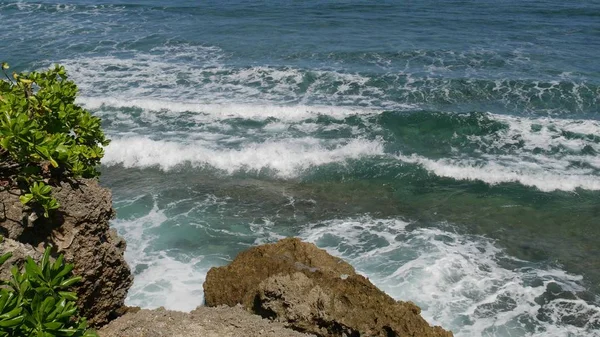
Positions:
{"x": 449, "y": 150}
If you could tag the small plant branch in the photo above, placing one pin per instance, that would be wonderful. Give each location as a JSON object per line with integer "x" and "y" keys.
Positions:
{"x": 6, "y": 75}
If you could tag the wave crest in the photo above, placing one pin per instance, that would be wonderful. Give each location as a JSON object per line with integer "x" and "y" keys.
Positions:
{"x": 288, "y": 158}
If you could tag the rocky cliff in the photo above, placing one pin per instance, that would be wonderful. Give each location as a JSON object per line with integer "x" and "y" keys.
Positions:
{"x": 79, "y": 230}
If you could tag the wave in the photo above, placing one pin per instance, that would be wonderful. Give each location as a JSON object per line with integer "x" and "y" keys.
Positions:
{"x": 510, "y": 170}
{"x": 201, "y": 73}
{"x": 205, "y": 74}
{"x": 546, "y": 153}
{"x": 213, "y": 112}
{"x": 287, "y": 158}
{"x": 29, "y": 6}
{"x": 489, "y": 133}
{"x": 550, "y": 134}
{"x": 461, "y": 282}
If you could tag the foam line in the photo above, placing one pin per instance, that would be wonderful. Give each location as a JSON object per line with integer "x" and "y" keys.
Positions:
{"x": 495, "y": 172}
{"x": 288, "y": 157}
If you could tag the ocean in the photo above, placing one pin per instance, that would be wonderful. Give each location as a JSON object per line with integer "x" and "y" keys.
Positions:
{"x": 449, "y": 150}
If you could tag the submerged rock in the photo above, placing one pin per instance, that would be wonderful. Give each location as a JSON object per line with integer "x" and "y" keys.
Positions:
{"x": 311, "y": 291}
{"x": 79, "y": 230}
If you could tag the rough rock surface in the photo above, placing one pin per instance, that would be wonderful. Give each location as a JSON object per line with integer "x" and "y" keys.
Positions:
{"x": 238, "y": 281}
{"x": 311, "y": 291}
{"x": 19, "y": 252}
{"x": 202, "y": 322}
{"x": 79, "y": 230}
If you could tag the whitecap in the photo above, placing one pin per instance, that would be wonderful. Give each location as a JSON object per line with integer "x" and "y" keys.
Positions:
{"x": 287, "y": 157}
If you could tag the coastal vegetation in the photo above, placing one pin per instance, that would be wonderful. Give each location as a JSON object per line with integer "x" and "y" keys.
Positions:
{"x": 44, "y": 136}
{"x": 38, "y": 303}
{"x": 45, "y": 139}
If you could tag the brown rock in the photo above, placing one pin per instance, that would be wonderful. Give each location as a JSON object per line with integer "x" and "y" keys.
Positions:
{"x": 256, "y": 264}
{"x": 79, "y": 230}
{"x": 19, "y": 252}
{"x": 202, "y": 322}
{"x": 311, "y": 291}
{"x": 329, "y": 306}
{"x": 13, "y": 220}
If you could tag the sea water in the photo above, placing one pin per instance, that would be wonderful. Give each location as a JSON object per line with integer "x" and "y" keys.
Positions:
{"x": 449, "y": 150}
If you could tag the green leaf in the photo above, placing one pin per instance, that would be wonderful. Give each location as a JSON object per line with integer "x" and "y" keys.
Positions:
{"x": 47, "y": 305}
{"x": 44, "y": 189}
{"x": 42, "y": 290}
{"x": 70, "y": 282}
{"x": 67, "y": 313}
{"x": 5, "y": 257}
{"x": 66, "y": 270}
{"x": 67, "y": 332}
{"x": 58, "y": 263}
{"x": 32, "y": 268}
{"x": 26, "y": 198}
{"x": 68, "y": 295}
{"x": 5, "y": 296}
{"x": 11, "y": 314}
{"x": 45, "y": 262}
{"x": 90, "y": 333}
{"x": 12, "y": 322}
{"x": 53, "y": 325}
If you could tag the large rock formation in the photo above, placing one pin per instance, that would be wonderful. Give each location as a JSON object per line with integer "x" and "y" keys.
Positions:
{"x": 238, "y": 281}
{"x": 202, "y": 322}
{"x": 79, "y": 230}
{"x": 311, "y": 291}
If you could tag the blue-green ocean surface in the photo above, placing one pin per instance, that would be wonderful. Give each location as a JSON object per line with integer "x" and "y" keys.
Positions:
{"x": 449, "y": 150}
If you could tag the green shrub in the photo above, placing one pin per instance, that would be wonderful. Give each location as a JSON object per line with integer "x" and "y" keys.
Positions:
{"x": 44, "y": 136}
{"x": 37, "y": 303}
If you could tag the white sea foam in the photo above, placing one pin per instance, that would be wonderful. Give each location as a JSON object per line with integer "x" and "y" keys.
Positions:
{"x": 200, "y": 73}
{"x": 459, "y": 281}
{"x": 160, "y": 278}
{"x": 546, "y": 153}
{"x": 212, "y": 112}
{"x": 287, "y": 157}
{"x": 168, "y": 282}
{"x": 546, "y": 133}
{"x": 496, "y": 171}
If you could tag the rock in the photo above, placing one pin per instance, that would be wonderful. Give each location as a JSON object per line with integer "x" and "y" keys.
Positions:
{"x": 19, "y": 252}
{"x": 80, "y": 230}
{"x": 330, "y": 306}
{"x": 252, "y": 266}
{"x": 311, "y": 291}
{"x": 202, "y": 322}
